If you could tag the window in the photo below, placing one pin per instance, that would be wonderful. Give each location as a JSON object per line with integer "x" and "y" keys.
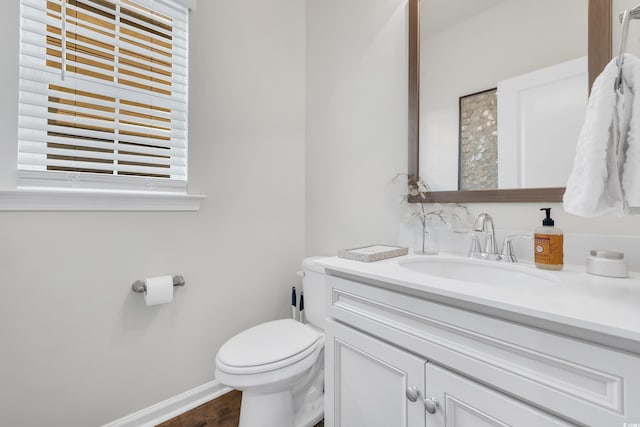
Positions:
{"x": 103, "y": 95}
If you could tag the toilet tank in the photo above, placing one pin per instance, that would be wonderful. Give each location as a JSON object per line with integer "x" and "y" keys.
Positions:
{"x": 313, "y": 287}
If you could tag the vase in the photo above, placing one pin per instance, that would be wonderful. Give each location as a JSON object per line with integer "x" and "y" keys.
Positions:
{"x": 425, "y": 241}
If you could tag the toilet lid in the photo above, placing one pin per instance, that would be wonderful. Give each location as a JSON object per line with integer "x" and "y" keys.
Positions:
{"x": 269, "y": 343}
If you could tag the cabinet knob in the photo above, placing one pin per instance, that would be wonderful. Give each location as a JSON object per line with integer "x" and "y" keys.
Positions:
{"x": 431, "y": 405}
{"x": 413, "y": 394}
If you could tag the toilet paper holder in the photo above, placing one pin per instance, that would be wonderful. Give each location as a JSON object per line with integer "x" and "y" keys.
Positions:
{"x": 139, "y": 286}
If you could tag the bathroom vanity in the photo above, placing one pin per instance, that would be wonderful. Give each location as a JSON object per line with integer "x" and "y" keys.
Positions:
{"x": 448, "y": 341}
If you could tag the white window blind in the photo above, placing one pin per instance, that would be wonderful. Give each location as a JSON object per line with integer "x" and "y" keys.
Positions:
{"x": 103, "y": 94}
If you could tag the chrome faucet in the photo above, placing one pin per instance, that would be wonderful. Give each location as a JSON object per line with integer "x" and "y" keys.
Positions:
{"x": 484, "y": 223}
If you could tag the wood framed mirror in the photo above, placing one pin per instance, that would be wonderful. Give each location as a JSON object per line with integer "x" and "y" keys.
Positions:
{"x": 599, "y": 54}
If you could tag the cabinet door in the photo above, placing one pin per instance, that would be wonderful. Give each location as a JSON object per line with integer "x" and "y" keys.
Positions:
{"x": 367, "y": 382}
{"x": 465, "y": 403}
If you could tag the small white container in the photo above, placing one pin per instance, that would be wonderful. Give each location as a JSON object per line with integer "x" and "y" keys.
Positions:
{"x": 607, "y": 263}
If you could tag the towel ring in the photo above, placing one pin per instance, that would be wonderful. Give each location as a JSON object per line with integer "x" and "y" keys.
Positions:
{"x": 625, "y": 17}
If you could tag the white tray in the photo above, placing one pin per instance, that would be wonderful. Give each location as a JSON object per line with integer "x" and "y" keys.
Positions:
{"x": 372, "y": 253}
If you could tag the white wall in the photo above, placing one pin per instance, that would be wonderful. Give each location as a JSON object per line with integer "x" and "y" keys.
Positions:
{"x": 78, "y": 348}
{"x": 356, "y": 122}
{"x": 527, "y": 216}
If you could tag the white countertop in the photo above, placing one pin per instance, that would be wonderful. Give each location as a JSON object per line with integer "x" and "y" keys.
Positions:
{"x": 606, "y": 306}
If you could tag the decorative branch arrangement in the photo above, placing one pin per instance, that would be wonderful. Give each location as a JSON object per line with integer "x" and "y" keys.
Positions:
{"x": 417, "y": 187}
{"x": 446, "y": 213}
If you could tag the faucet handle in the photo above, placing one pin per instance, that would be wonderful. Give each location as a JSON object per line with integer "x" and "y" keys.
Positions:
{"x": 508, "y": 254}
{"x": 474, "y": 249}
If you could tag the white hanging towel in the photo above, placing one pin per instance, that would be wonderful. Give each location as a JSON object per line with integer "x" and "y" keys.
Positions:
{"x": 595, "y": 187}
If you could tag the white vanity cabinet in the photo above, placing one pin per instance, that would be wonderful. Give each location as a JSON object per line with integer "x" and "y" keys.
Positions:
{"x": 389, "y": 352}
{"x": 465, "y": 403}
{"x": 371, "y": 381}
{"x": 375, "y": 384}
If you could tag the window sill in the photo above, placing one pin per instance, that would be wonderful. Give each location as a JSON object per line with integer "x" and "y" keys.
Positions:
{"x": 75, "y": 200}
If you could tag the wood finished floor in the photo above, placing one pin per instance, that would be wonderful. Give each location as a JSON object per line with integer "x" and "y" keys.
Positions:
{"x": 221, "y": 412}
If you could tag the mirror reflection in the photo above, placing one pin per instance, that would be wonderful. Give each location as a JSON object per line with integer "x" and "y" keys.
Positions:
{"x": 503, "y": 92}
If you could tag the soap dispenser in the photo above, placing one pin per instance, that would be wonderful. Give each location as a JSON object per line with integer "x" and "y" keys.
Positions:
{"x": 548, "y": 244}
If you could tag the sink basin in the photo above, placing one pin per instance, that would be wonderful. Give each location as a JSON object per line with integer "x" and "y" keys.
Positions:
{"x": 478, "y": 271}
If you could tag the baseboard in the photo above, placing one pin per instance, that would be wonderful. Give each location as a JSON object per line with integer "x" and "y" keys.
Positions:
{"x": 172, "y": 407}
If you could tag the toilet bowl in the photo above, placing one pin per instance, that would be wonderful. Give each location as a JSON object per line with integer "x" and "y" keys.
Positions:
{"x": 279, "y": 365}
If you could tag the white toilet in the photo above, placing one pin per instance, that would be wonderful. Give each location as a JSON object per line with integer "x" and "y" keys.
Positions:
{"x": 279, "y": 365}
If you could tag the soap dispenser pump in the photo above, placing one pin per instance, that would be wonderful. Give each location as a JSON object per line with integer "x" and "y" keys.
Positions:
{"x": 548, "y": 244}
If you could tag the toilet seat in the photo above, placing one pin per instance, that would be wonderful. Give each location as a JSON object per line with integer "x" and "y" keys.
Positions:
{"x": 268, "y": 347}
